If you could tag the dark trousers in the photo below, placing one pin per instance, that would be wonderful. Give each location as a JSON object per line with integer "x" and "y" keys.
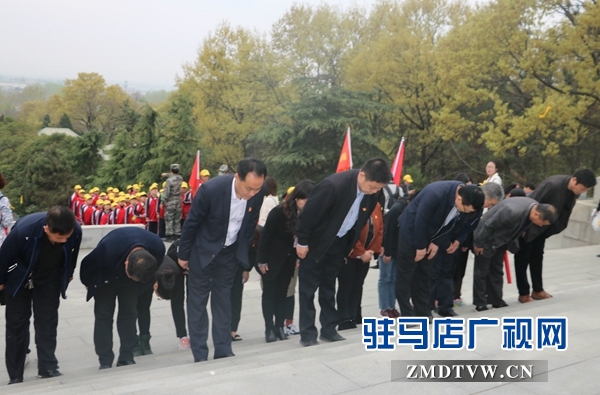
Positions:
{"x": 45, "y": 300}
{"x": 237, "y": 291}
{"x": 274, "y": 295}
{"x": 214, "y": 280}
{"x": 143, "y": 310}
{"x": 321, "y": 274}
{"x": 460, "y": 269}
{"x": 290, "y": 304}
{"x": 153, "y": 227}
{"x": 350, "y": 286}
{"x": 440, "y": 281}
{"x": 126, "y": 291}
{"x": 488, "y": 277}
{"x": 161, "y": 227}
{"x": 530, "y": 255}
{"x": 177, "y": 308}
{"x": 412, "y": 281}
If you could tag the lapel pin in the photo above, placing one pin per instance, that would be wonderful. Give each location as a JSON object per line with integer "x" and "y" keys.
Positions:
{"x": 249, "y": 209}
{"x": 364, "y": 209}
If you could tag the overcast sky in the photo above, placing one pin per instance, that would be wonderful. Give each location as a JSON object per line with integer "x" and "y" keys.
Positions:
{"x": 143, "y": 42}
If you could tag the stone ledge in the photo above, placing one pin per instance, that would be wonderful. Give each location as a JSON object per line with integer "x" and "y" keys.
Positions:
{"x": 92, "y": 234}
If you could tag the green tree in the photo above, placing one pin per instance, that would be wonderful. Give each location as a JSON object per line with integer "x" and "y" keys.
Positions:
{"x": 234, "y": 89}
{"x": 65, "y": 122}
{"x": 131, "y": 151}
{"x": 46, "y": 121}
{"x": 305, "y": 141}
{"x": 43, "y": 173}
{"x": 92, "y": 104}
{"x": 178, "y": 141}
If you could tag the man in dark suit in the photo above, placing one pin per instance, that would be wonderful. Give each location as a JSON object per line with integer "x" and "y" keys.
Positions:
{"x": 441, "y": 216}
{"x": 122, "y": 266}
{"x": 499, "y": 230}
{"x": 37, "y": 261}
{"x": 217, "y": 234}
{"x": 561, "y": 191}
{"x": 328, "y": 227}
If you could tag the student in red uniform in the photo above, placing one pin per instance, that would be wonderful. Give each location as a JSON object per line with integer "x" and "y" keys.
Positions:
{"x": 73, "y": 197}
{"x": 139, "y": 211}
{"x": 119, "y": 211}
{"x": 186, "y": 201}
{"x": 98, "y": 212}
{"x": 152, "y": 209}
{"x": 87, "y": 210}
{"x": 79, "y": 200}
{"x": 129, "y": 210}
{"x": 106, "y": 213}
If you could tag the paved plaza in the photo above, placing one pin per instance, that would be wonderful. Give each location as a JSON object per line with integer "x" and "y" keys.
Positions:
{"x": 571, "y": 275}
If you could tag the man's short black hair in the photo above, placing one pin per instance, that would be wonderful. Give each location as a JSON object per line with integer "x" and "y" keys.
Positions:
{"x": 251, "y": 165}
{"x": 463, "y": 177}
{"x": 60, "y": 220}
{"x": 377, "y": 170}
{"x": 472, "y": 196}
{"x": 530, "y": 185}
{"x": 167, "y": 276}
{"x": 585, "y": 177}
{"x": 142, "y": 266}
{"x": 547, "y": 212}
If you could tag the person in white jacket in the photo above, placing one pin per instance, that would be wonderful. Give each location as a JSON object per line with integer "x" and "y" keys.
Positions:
{"x": 270, "y": 202}
{"x": 491, "y": 169}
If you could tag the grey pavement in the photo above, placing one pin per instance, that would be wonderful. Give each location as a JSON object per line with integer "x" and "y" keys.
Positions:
{"x": 571, "y": 275}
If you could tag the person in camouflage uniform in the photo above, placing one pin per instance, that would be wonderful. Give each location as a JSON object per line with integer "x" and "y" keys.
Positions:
{"x": 172, "y": 201}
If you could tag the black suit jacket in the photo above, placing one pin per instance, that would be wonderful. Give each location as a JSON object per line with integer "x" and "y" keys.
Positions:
{"x": 106, "y": 262}
{"x": 205, "y": 228}
{"x": 325, "y": 211}
{"x": 276, "y": 244}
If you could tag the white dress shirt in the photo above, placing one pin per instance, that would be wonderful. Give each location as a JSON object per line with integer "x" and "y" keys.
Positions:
{"x": 237, "y": 209}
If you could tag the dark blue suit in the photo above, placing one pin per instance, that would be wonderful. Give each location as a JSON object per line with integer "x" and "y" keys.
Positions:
{"x": 212, "y": 267}
{"x": 422, "y": 223}
{"x": 103, "y": 273}
{"x": 19, "y": 256}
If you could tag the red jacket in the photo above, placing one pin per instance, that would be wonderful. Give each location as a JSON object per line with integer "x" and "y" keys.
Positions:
{"x": 186, "y": 204}
{"x": 87, "y": 212}
{"x": 375, "y": 243}
{"x": 152, "y": 209}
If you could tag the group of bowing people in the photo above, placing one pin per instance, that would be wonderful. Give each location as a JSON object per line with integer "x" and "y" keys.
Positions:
{"x": 330, "y": 232}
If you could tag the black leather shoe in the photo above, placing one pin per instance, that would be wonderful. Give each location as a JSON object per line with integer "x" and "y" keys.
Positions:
{"x": 481, "y": 308}
{"x": 46, "y": 374}
{"x": 125, "y": 363}
{"x": 347, "y": 324}
{"x": 335, "y": 338}
{"x": 308, "y": 343}
{"x": 449, "y": 313}
{"x": 15, "y": 381}
{"x": 270, "y": 336}
{"x": 102, "y": 367}
{"x": 499, "y": 306}
{"x": 225, "y": 356}
{"x": 200, "y": 360}
{"x": 280, "y": 334}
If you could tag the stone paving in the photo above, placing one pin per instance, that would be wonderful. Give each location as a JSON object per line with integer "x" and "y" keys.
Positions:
{"x": 571, "y": 275}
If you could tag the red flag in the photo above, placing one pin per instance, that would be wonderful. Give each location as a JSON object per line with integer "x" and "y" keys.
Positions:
{"x": 195, "y": 175}
{"x": 507, "y": 268}
{"x": 397, "y": 166}
{"x": 345, "y": 162}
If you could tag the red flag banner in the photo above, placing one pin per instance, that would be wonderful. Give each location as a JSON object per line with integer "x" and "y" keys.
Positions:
{"x": 195, "y": 175}
{"x": 397, "y": 166}
{"x": 345, "y": 162}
